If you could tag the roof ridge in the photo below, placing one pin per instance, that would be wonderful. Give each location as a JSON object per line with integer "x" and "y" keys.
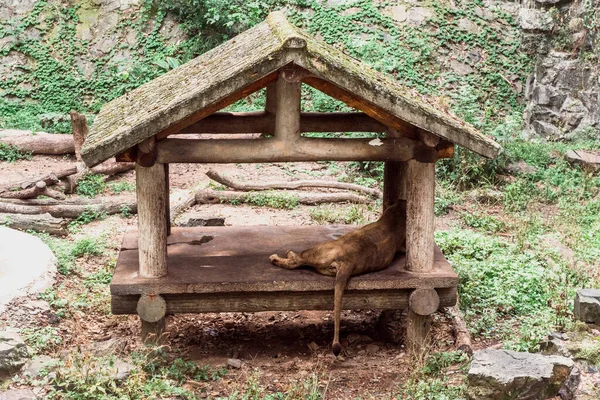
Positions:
{"x": 288, "y": 34}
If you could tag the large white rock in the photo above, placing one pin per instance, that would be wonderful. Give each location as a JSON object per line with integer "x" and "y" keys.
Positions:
{"x": 27, "y": 265}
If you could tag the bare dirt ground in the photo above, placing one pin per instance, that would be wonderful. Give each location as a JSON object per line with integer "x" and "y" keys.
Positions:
{"x": 280, "y": 349}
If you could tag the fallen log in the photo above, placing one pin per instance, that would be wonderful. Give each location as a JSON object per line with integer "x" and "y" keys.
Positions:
{"x": 39, "y": 223}
{"x": 68, "y": 208}
{"x": 461, "y": 333}
{"x": 208, "y": 196}
{"x": 50, "y": 179}
{"x": 40, "y": 188}
{"x": 41, "y": 143}
{"x": 215, "y": 176}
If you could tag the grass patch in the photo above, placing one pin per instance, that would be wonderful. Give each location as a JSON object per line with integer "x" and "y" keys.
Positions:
{"x": 273, "y": 199}
{"x": 11, "y": 153}
{"x": 91, "y": 185}
{"x": 326, "y": 214}
{"x": 119, "y": 187}
{"x": 41, "y": 339}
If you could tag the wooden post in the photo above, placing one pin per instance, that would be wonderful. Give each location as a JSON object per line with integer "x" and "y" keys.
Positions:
{"x": 417, "y": 333}
{"x": 152, "y": 310}
{"x": 287, "y": 115}
{"x": 420, "y": 186}
{"x": 167, "y": 200}
{"x": 152, "y": 221}
{"x": 271, "y": 98}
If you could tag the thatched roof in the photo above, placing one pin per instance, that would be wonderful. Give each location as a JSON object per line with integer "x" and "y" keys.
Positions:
{"x": 210, "y": 79}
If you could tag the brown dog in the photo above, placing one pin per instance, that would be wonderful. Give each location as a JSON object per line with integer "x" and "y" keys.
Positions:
{"x": 368, "y": 249}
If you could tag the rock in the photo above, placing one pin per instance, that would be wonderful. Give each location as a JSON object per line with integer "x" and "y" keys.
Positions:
{"x": 584, "y": 158}
{"x": 567, "y": 253}
{"x": 399, "y": 13}
{"x": 418, "y": 15}
{"x": 567, "y": 392}
{"x": 106, "y": 347}
{"x": 235, "y": 363}
{"x": 24, "y": 272}
{"x": 460, "y": 68}
{"x": 35, "y": 368}
{"x": 531, "y": 19}
{"x": 546, "y": 129}
{"x": 467, "y": 25}
{"x": 504, "y": 374}
{"x": 18, "y": 394}
{"x": 486, "y": 195}
{"x": 521, "y": 168}
{"x": 13, "y": 352}
{"x": 371, "y": 349}
{"x": 120, "y": 369}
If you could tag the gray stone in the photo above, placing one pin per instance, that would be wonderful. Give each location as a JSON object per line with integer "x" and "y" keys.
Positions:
{"x": 13, "y": 352}
{"x": 467, "y": 25}
{"x": 521, "y": 168}
{"x": 569, "y": 389}
{"x": 418, "y": 15}
{"x": 587, "y": 305}
{"x": 235, "y": 363}
{"x": 106, "y": 347}
{"x": 585, "y": 159}
{"x": 18, "y": 394}
{"x": 546, "y": 129}
{"x": 35, "y": 368}
{"x": 486, "y": 195}
{"x": 460, "y": 68}
{"x": 120, "y": 370}
{"x": 504, "y": 374}
{"x": 531, "y": 19}
{"x": 399, "y": 13}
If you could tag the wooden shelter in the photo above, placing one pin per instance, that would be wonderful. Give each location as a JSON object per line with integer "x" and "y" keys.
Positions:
{"x": 217, "y": 269}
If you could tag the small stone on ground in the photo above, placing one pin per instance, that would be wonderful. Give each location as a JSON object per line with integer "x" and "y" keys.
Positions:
{"x": 13, "y": 353}
{"x": 18, "y": 394}
{"x": 587, "y": 305}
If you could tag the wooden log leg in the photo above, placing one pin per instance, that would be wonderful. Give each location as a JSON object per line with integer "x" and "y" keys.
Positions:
{"x": 152, "y": 221}
{"x": 152, "y": 310}
{"x": 421, "y": 304}
{"x": 417, "y": 333}
{"x": 420, "y": 186}
{"x": 167, "y": 201}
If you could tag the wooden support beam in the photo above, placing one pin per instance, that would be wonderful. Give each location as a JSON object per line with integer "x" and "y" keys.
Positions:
{"x": 277, "y": 150}
{"x": 277, "y": 301}
{"x": 418, "y": 336}
{"x": 420, "y": 187}
{"x": 358, "y": 103}
{"x": 152, "y": 310}
{"x": 270, "y": 99}
{"x": 146, "y": 152}
{"x": 264, "y": 122}
{"x": 287, "y": 110}
{"x": 152, "y": 221}
{"x": 167, "y": 200}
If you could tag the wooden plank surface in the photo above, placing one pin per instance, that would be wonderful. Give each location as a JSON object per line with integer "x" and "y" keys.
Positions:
{"x": 236, "y": 259}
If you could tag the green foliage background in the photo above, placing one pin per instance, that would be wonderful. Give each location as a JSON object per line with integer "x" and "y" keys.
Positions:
{"x": 36, "y": 95}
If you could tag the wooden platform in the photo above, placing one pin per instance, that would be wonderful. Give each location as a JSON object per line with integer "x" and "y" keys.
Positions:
{"x": 219, "y": 269}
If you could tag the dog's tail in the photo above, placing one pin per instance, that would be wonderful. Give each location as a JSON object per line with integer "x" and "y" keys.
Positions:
{"x": 341, "y": 281}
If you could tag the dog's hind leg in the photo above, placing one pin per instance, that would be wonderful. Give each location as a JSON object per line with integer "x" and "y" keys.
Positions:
{"x": 292, "y": 260}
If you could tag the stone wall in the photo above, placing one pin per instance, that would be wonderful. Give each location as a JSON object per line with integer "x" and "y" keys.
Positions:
{"x": 563, "y": 92}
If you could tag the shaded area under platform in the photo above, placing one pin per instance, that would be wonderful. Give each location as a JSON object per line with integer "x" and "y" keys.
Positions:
{"x": 219, "y": 269}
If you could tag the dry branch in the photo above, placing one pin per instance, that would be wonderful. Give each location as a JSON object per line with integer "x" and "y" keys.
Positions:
{"x": 39, "y": 223}
{"x": 461, "y": 333}
{"x": 208, "y": 196}
{"x": 40, "y": 188}
{"x": 67, "y": 208}
{"x": 215, "y": 176}
{"x": 43, "y": 143}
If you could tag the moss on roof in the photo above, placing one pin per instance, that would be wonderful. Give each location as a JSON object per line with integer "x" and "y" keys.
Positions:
{"x": 250, "y": 56}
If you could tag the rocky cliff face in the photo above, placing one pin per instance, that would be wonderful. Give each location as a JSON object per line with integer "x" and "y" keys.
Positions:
{"x": 563, "y": 92}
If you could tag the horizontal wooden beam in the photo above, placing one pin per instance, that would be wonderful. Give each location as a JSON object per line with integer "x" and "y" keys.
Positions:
{"x": 302, "y": 149}
{"x": 264, "y": 122}
{"x": 279, "y": 301}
